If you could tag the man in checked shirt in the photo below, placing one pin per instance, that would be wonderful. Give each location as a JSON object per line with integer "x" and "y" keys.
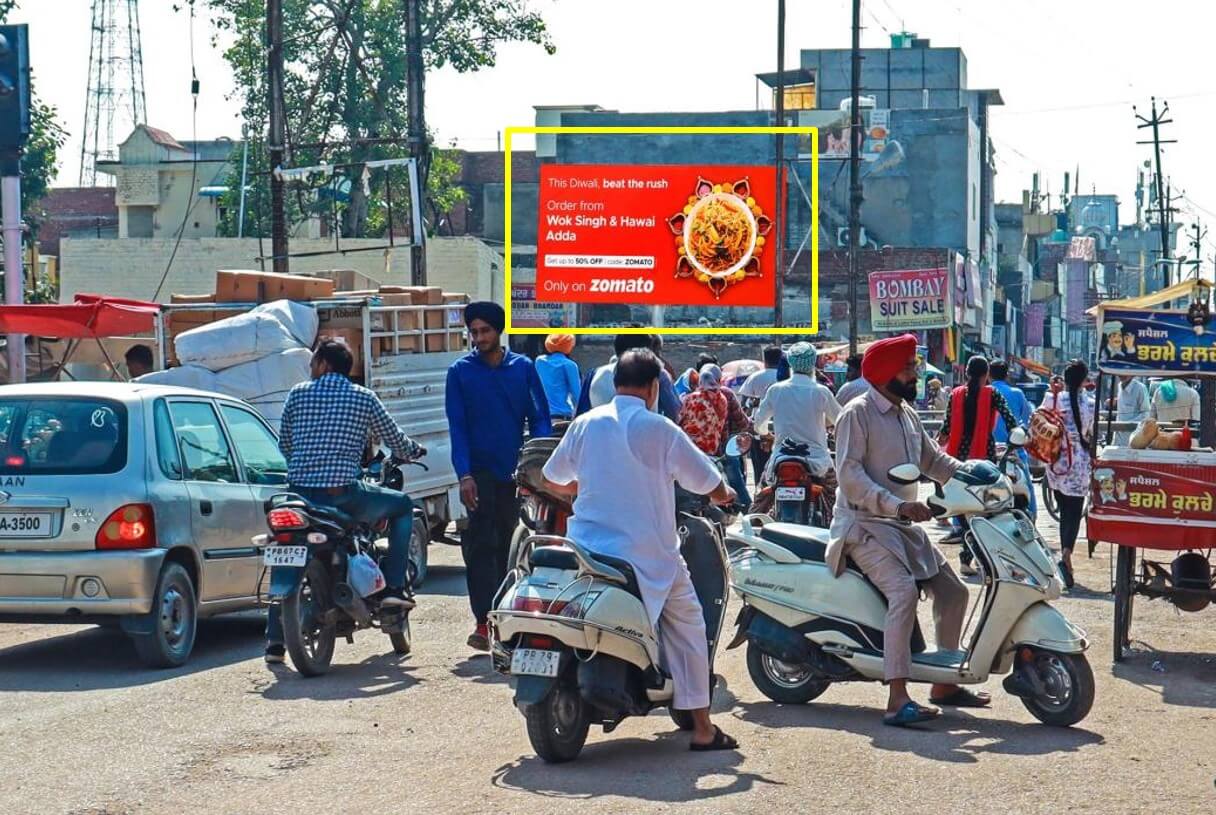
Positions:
{"x": 327, "y": 424}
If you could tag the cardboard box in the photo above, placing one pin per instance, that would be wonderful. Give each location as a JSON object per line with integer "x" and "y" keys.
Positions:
{"x": 435, "y": 342}
{"x": 239, "y": 286}
{"x": 353, "y": 339}
{"x": 349, "y": 280}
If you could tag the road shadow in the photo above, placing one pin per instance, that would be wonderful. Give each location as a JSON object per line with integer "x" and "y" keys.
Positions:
{"x": 477, "y": 668}
{"x": 956, "y": 737}
{"x": 598, "y": 772}
{"x": 1182, "y": 679}
{"x": 104, "y": 658}
{"x": 378, "y": 675}
{"x": 444, "y": 581}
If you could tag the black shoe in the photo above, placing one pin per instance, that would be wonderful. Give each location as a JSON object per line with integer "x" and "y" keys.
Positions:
{"x": 275, "y": 654}
{"x": 952, "y": 539}
{"x": 390, "y": 598}
{"x": 1066, "y": 573}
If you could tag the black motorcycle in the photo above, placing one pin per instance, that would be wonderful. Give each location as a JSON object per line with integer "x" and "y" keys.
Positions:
{"x": 311, "y": 547}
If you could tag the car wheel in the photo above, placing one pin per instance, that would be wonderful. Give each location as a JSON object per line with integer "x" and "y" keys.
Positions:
{"x": 172, "y": 622}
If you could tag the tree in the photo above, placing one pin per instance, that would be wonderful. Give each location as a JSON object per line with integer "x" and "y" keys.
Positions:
{"x": 344, "y": 82}
{"x": 39, "y": 161}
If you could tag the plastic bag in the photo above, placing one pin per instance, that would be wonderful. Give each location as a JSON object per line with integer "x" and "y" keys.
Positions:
{"x": 364, "y": 575}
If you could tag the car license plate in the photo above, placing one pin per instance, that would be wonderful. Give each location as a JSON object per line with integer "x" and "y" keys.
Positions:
{"x": 534, "y": 662}
{"x": 25, "y": 524}
{"x": 285, "y": 555}
{"x": 791, "y": 493}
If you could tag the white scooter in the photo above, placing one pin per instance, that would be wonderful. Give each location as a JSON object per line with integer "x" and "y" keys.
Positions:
{"x": 570, "y": 630}
{"x": 806, "y": 628}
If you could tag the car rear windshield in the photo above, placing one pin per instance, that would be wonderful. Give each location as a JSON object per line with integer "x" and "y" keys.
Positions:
{"x": 62, "y": 436}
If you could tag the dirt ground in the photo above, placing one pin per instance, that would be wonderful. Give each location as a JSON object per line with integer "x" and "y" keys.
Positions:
{"x": 86, "y": 730}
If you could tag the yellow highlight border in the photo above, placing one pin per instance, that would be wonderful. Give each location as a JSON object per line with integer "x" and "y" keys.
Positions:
{"x": 813, "y": 132}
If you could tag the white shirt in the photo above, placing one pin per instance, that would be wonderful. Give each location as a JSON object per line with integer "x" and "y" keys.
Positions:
{"x": 603, "y": 390}
{"x": 1133, "y": 406}
{"x": 756, "y": 385}
{"x": 1184, "y": 407}
{"x": 626, "y": 461}
{"x": 851, "y": 390}
{"x": 801, "y": 409}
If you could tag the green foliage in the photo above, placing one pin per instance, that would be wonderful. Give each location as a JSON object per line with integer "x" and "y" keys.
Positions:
{"x": 345, "y": 89}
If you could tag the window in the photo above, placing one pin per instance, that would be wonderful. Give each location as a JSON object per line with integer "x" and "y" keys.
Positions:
{"x": 50, "y": 436}
{"x": 166, "y": 443}
{"x": 797, "y": 97}
{"x": 204, "y": 449}
{"x": 259, "y": 449}
{"x": 140, "y": 222}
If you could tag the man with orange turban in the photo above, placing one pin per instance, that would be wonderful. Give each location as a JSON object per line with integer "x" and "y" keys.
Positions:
{"x": 875, "y": 522}
{"x": 559, "y": 375}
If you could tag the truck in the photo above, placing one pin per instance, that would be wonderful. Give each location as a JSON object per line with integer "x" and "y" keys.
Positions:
{"x": 402, "y": 353}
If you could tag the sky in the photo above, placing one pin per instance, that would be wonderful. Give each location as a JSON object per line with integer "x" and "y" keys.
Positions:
{"x": 1069, "y": 73}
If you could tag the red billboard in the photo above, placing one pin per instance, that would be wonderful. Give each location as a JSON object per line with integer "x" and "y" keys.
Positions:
{"x": 657, "y": 234}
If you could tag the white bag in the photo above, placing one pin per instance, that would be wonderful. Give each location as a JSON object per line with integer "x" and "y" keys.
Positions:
{"x": 184, "y": 376}
{"x": 236, "y": 340}
{"x": 299, "y": 319}
{"x": 364, "y": 575}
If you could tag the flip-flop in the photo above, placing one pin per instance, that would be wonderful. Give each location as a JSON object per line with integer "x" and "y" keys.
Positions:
{"x": 721, "y": 741}
{"x": 910, "y": 713}
{"x": 962, "y": 697}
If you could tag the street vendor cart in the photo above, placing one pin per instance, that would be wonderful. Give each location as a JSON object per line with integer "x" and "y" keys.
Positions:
{"x": 1157, "y": 506}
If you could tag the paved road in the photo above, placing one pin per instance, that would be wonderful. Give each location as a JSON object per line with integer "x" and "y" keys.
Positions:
{"x": 88, "y": 731}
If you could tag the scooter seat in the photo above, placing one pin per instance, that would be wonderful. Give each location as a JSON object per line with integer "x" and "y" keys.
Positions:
{"x": 559, "y": 557}
{"x": 806, "y": 542}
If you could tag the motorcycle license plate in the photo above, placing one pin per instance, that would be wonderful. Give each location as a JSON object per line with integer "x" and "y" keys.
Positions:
{"x": 791, "y": 493}
{"x": 284, "y": 555}
{"x": 534, "y": 662}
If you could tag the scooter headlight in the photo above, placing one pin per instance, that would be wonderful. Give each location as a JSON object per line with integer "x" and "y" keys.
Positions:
{"x": 580, "y": 605}
{"x": 993, "y": 496}
{"x": 1018, "y": 574}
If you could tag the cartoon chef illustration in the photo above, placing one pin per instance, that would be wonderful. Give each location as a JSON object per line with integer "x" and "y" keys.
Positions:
{"x": 1112, "y": 345}
{"x": 1106, "y": 484}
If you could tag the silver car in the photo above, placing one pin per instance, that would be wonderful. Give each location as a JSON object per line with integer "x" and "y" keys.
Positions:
{"x": 133, "y": 505}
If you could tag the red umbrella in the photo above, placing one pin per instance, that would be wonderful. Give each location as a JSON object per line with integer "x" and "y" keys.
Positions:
{"x": 92, "y": 316}
{"x": 737, "y": 370}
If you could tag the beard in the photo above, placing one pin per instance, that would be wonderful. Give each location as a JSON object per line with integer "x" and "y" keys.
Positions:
{"x": 904, "y": 390}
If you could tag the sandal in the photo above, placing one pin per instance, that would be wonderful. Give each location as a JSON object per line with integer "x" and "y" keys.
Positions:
{"x": 962, "y": 697}
{"x": 1066, "y": 573}
{"x": 910, "y": 713}
{"x": 721, "y": 741}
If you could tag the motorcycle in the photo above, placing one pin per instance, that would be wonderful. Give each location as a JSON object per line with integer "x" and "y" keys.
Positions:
{"x": 312, "y": 547}
{"x": 540, "y": 512}
{"x": 571, "y": 632}
{"x": 793, "y": 494}
{"x": 806, "y": 628}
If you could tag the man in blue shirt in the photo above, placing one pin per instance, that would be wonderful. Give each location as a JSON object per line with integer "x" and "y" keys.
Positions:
{"x": 1015, "y": 398}
{"x": 491, "y": 392}
{"x": 325, "y": 429}
{"x": 559, "y": 374}
{"x": 599, "y": 390}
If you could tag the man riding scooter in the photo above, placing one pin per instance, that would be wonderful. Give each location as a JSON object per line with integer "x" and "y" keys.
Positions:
{"x": 875, "y": 517}
{"x": 622, "y": 460}
{"x": 325, "y": 429}
{"x": 802, "y": 410}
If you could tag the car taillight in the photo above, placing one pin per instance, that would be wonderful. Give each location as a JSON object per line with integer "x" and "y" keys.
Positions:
{"x": 285, "y": 519}
{"x": 537, "y": 605}
{"x": 792, "y": 471}
{"x": 129, "y": 527}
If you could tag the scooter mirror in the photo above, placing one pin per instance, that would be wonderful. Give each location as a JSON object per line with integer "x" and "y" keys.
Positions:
{"x": 1018, "y": 437}
{"x": 904, "y": 473}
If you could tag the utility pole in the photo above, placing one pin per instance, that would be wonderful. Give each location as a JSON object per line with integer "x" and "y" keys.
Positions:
{"x": 278, "y": 133}
{"x": 415, "y": 80}
{"x": 854, "y": 177}
{"x": 779, "y": 306}
{"x": 14, "y": 132}
{"x": 1155, "y": 123}
{"x": 1197, "y": 237}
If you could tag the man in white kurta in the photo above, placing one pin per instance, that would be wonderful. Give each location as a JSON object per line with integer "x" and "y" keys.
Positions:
{"x": 625, "y": 461}
{"x": 801, "y": 409}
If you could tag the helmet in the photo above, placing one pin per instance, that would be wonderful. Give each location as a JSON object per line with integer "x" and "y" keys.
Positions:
{"x": 1191, "y": 570}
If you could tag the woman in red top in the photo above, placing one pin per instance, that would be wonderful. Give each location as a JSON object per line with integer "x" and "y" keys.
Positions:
{"x": 968, "y": 428}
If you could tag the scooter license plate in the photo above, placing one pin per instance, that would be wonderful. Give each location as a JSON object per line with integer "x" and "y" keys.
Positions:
{"x": 534, "y": 662}
{"x": 285, "y": 556}
{"x": 791, "y": 493}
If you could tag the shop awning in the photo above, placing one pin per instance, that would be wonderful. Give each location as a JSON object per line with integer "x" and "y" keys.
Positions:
{"x": 1174, "y": 292}
{"x": 92, "y": 316}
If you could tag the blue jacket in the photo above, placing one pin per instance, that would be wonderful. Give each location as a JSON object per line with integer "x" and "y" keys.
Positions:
{"x": 486, "y": 410}
{"x": 1016, "y": 399}
{"x": 559, "y": 374}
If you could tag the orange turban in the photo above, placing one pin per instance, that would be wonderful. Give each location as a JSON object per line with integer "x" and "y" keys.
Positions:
{"x": 886, "y": 358}
{"x": 559, "y": 343}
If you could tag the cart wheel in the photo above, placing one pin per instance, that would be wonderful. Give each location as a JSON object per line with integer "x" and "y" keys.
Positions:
{"x": 1125, "y": 567}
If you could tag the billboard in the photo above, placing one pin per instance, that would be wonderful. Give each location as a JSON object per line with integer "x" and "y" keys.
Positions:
{"x": 909, "y": 299}
{"x": 1160, "y": 342}
{"x": 834, "y": 128}
{"x": 684, "y": 235}
{"x": 527, "y": 312}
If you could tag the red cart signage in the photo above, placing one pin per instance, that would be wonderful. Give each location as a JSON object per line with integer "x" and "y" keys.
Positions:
{"x": 657, "y": 234}
{"x": 1154, "y": 500}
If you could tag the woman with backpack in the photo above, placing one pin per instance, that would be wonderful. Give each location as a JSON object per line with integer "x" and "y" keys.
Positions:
{"x": 968, "y": 429}
{"x": 1069, "y": 476}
